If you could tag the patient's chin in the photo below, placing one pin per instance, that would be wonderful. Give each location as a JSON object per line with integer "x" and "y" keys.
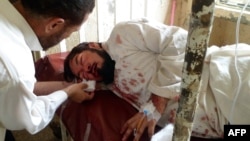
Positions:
{"x": 164, "y": 134}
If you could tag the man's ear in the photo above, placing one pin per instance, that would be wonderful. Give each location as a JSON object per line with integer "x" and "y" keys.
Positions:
{"x": 95, "y": 45}
{"x": 54, "y": 25}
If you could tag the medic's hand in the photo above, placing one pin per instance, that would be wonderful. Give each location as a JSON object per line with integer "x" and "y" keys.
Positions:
{"x": 136, "y": 126}
{"x": 76, "y": 92}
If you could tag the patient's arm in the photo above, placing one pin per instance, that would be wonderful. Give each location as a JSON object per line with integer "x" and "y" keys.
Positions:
{"x": 140, "y": 122}
{"x": 159, "y": 102}
{"x": 47, "y": 87}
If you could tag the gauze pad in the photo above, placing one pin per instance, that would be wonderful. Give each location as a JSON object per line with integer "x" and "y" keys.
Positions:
{"x": 91, "y": 85}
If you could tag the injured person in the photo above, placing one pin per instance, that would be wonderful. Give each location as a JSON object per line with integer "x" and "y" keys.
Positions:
{"x": 142, "y": 63}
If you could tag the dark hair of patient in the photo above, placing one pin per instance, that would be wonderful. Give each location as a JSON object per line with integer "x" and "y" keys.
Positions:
{"x": 107, "y": 72}
{"x": 73, "y": 11}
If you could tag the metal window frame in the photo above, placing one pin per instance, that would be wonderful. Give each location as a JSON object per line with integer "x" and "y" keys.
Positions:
{"x": 234, "y": 4}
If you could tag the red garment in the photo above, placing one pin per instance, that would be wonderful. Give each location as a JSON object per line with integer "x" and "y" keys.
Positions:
{"x": 105, "y": 114}
{"x": 50, "y": 68}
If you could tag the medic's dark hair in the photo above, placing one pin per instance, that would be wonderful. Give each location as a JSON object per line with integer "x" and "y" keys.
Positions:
{"x": 72, "y": 11}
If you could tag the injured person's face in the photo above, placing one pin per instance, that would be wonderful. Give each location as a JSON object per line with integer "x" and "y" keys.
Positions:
{"x": 92, "y": 64}
{"x": 86, "y": 65}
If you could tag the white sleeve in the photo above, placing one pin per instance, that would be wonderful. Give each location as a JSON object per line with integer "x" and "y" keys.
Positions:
{"x": 167, "y": 45}
{"x": 21, "y": 109}
{"x": 167, "y": 79}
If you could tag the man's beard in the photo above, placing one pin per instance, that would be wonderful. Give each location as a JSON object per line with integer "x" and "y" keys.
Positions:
{"x": 50, "y": 41}
{"x": 107, "y": 71}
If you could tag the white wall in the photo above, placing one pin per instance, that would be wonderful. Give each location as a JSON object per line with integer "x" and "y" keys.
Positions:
{"x": 109, "y": 12}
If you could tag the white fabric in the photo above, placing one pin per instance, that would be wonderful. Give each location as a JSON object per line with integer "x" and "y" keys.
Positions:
{"x": 152, "y": 54}
{"x": 165, "y": 134}
{"x": 20, "y": 108}
{"x": 149, "y": 59}
{"x": 219, "y": 88}
{"x": 223, "y": 62}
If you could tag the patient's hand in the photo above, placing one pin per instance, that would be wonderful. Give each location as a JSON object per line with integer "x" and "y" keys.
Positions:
{"x": 76, "y": 92}
{"x": 136, "y": 125}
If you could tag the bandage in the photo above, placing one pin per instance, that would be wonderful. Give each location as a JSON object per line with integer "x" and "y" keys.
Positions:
{"x": 150, "y": 111}
{"x": 91, "y": 85}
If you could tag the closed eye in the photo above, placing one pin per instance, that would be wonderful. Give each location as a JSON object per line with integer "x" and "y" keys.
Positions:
{"x": 76, "y": 60}
{"x": 81, "y": 60}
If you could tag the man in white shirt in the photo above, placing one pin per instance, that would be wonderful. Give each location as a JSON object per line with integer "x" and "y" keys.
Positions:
{"x": 28, "y": 25}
